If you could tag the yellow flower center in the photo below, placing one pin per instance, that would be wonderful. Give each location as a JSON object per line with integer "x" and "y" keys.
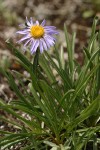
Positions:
{"x": 37, "y": 31}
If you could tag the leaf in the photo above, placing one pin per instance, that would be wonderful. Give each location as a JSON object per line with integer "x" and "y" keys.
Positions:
{"x": 44, "y": 64}
{"x": 19, "y": 55}
{"x": 93, "y": 108}
{"x": 15, "y": 88}
{"x": 70, "y": 49}
{"x": 10, "y": 140}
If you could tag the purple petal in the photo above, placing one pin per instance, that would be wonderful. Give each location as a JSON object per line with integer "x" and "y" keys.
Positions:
{"x": 37, "y": 22}
{"x": 50, "y": 27}
{"x": 23, "y": 31}
{"x": 22, "y": 25}
{"x": 28, "y": 23}
{"x": 51, "y": 31}
{"x": 44, "y": 44}
{"x": 49, "y": 41}
{"x": 43, "y": 22}
{"x": 24, "y": 38}
{"x": 50, "y": 37}
{"x": 41, "y": 46}
{"x": 31, "y": 20}
{"x": 35, "y": 44}
{"x": 27, "y": 42}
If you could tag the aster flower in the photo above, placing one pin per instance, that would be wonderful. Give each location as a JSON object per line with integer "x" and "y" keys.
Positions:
{"x": 37, "y": 35}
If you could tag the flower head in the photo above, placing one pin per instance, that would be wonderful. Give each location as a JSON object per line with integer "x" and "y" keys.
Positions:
{"x": 37, "y": 35}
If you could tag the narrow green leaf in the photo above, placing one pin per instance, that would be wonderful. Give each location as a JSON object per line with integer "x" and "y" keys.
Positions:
{"x": 19, "y": 55}
{"x": 93, "y": 108}
{"x": 70, "y": 49}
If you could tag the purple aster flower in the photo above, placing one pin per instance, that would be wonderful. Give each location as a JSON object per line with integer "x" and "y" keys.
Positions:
{"x": 37, "y": 35}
